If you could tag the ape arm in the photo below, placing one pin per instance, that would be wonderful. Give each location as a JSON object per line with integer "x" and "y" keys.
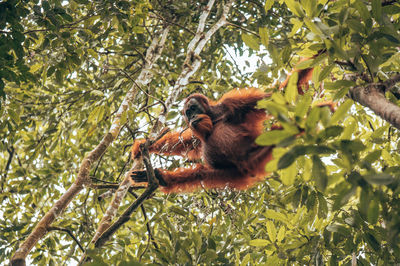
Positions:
{"x": 191, "y": 179}
{"x": 243, "y": 98}
{"x": 247, "y": 173}
{"x": 173, "y": 143}
{"x": 241, "y": 102}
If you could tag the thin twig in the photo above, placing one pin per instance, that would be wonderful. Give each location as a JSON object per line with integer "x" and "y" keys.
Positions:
{"x": 151, "y": 237}
{"x": 172, "y": 22}
{"x": 243, "y": 28}
{"x": 69, "y": 232}
{"x": 388, "y": 84}
{"x": 98, "y": 164}
{"x": 11, "y": 152}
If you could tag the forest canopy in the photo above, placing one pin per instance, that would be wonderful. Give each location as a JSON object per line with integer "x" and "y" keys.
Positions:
{"x": 81, "y": 80}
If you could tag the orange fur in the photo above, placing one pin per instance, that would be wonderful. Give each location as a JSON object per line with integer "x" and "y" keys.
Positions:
{"x": 227, "y": 133}
{"x": 173, "y": 143}
{"x": 304, "y": 76}
{"x": 226, "y": 130}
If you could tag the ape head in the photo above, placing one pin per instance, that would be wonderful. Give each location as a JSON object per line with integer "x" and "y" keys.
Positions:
{"x": 195, "y": 105}
{"x": 197, "y": 114}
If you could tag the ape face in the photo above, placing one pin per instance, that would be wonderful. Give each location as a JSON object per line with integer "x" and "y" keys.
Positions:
{"x": 194, "y": 106}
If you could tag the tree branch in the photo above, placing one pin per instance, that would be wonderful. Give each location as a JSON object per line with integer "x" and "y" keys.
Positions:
{"x": 192, "y": 64}
{"x": 82, "y": 179}
{"x": 373, "y": 96}
{"x": 153, "y": 53}
{"x": 193, "y": 60}
{"x": 151, "y": 187}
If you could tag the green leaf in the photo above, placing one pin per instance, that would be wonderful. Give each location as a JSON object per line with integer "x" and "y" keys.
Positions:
{"x": 303, "y": 106}
{"x": 339, "y": 84}
{"x": 305, "y": 64}
{"x": 322, "y": 206}
{"x": 263, "y": 32}
{"x": 319, "y": 173}
{"x": 379, "y": 179}
{"x": 268, "y": 5}
{"x": 311, "y": 26}
{"x": 341, "y": 111}
{"x": 325, "y": 115}
{"x": 362, "y": 10}
{"x": 271, "y": 229}
{"x": 291, "y": 91}
{"x": 246, "y": 260}
{"x": 321, "y": 149}
{"x": 313, "y": 118}
{"x": 343, "y": 15}
{"x": 281, "y": 234}
{"x": 325, "y": 72}
{"x": 286, "y": 52}
{"x": 363, "y": 206}
{"x": 35, "y": 68}
{"x": 379, "y": 132}
{"x": 278, "y": 98}
{"x": 65, "y": 34}
{"x": 336, "y": 228}
{"x": 178, "y": 210}
{"x": 356, "y": 25}
{"x": 377, "y": 10}
{"x": 274, "y": 108}
{"x": 14, "y": 116}
{"x": 343, "y": 196}
{"x": 373, "y": 212}
{"x": 340, "y": 94}
{"x": 352, "y": 145}
{"x": 297, "y": 24}
{"x": 349, "y": 128}
{"x": 271, "y": 214}
{"x": 50, "y": 71}
{"x": 272, "y": 137}
{"x": 372, "y": 242}
{"x": 334, "y": 45}
{"x": 210, "y": 255}
{"x": 288, "y": 175}
{"x": 286, "y": 160}
{"x": 330, "y": 132}
{"x": 124, "y": 118}
{"x": 259, "y": 242}
{"x": 309, "y": 6}
{"x": 289, "y": 157}
{"x": 96, "y": 115}
{"x": 373, "y": 156}
{"x": 295, "y": 7}
{"x": 251, "y": 41}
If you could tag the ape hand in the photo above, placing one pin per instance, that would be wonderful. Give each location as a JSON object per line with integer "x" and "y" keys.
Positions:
{"x": 140, "y": 176}
{"x": 137, "y": 148}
